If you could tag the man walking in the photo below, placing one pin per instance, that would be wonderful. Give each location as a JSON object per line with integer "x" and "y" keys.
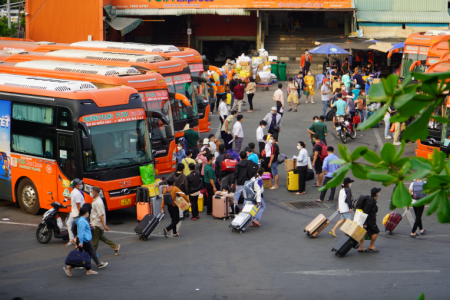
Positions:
{"x": 226, "y": 130}
{"x": 98, "y": 222}
{"x": 77, "y": 201}
{"x": 371, "y": 209}
{"x": 301, "y": 84}
{"x": 328, "y": 170}
{"x": 274, "y": 120}
{"x": 317, "y": 160}
{"x": 319, "y": 127}
{"x": 232, "y": 85}
{"x": 192, "y": 138}
{"x": 278, "y": 97}
{"x": 238, "y": 133}
{"x": 273, "y": 163}
{"x": 223, "y": 110}
{"x": 293, "y": 94}
{"x": 305, "y": 62}
{"x": 325, "y": 91}
{"x": 260, "y": 135}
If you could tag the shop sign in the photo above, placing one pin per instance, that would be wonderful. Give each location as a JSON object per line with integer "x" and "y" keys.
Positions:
{"x": 227, "y": 4}
{"x": 114, "y": 117}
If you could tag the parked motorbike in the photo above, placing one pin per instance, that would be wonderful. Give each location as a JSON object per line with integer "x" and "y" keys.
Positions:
{"x": 52, "y": 223}
{"x": 345, "y": 128}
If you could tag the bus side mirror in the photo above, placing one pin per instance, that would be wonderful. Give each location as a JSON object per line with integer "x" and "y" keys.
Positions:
{"x": 86, "y": 142}
{"x": 389, "y": 61}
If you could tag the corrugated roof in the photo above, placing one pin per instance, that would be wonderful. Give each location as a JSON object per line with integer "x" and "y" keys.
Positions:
{"x": 124, "y": 25}
{"x": 403, "y": 17}
{"x": 402, "y": 5}
{"x": 179, "y": 12}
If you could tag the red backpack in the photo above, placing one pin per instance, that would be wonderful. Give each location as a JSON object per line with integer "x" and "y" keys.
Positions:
{"x": 229, "y": 165}
{"x": 324, "y": 152}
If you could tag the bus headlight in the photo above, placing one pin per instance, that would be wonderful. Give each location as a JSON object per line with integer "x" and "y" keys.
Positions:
{"x": 87, "y": 188}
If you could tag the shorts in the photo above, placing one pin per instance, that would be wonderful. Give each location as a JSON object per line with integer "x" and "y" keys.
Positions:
{"x": 346, "y": 215}
{"x": 318, "y": 166}
{"x": 274, "y": 168}
{"x": 292, "y": 98}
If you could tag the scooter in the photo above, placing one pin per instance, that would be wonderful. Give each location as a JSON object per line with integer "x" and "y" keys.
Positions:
{"x": 51, "y": 222}
{"x": 344, "y": 128}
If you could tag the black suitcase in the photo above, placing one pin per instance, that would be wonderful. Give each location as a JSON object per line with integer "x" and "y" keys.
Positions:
{"x": 309, "y": 175}
{"x": 344, "y": 245}
{"x": 147, "y": 226}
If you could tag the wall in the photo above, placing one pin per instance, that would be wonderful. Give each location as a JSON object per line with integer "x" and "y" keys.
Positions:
{"x": 215, "y": 25}
{"x": 64, "y": 21}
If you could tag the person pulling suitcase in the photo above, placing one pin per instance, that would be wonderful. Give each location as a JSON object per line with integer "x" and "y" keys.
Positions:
{"x": 345, "y": 204}
{"x": 170, "y": 193}
{"x": 260, "y": 204}
{"x": 371, "y": 221}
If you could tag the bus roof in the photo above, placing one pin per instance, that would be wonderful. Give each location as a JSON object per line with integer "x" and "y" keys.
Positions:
{"x": 136, "y": 47}
{"x": 37, "y": 86}
{"x": 424, "y": 39}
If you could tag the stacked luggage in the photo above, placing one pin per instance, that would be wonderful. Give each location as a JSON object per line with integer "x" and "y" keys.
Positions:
{"x": 353, "y": 234}
{"x": 318, "y": 225}
{"x": 244, "y": 218}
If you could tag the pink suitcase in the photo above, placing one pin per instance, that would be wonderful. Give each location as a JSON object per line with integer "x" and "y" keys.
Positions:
{"x": 220, "y": 206}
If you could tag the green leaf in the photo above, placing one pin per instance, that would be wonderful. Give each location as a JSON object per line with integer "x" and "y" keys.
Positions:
{"x": 401, "y": 196}
{"x": 421, "y": 173}
{"x": 418, "y": 163}
{"x": 437, "y": 160}
{"x": 427, "y": 199}
{"x": 440, "y": 119}
{"x": 430, "y": 76}
{"x": 421, "y": 297}
{"x": 378, "y": 94}
{"x": 344, "y": 168}
{"x": 388, "y": 153}
{"x": 435, "y": 203}
{"x": 372, "y": 157}
{"x": 337, "y": 161}
{"x": 359, "y": 171}
{"x": 358, "y": 152}
{"x": 400, "y": 151}
{"x": 406, "y": 81}
{"x": 418, "y": 130}
{"x": 402, "y": 100}
{"x": 381, "y": 177}
{"x": 435, "y": 181}
{"x": 377, "y": 169}
{"x": 402, "y": 161}
{"x": 343, "y": 151}
{"x": 407, "y": 111}
{"x": 443, "y": 212}
{"x": 390, "y": 84}
{"x": 375, "y": 118}
{"x": 334, "y": 182}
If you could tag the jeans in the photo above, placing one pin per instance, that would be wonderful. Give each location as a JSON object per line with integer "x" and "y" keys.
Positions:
{"x": 261, "y": 210}
{"x": 418, "y": 211}
{"x": 232, "y": 99}
{"x": 194, "y": 205}
{"x": 324, "y": 193}
{"x": 194, "y": 151}
{"x": 98, "y": 234}
{"x": 387, "y": 126}
{"x": 364, "y": 113}
{"x": 274, "y": 168}
{"x": 211, "y": 104}
{"x": 238, "y": 144}
{"x": 238, "y": 192}
{"x": 218, "y": 101}
{"x": 174, "y": 213}
{"x": 325, "y": 106}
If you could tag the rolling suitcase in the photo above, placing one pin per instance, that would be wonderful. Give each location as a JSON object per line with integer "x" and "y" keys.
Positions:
{"x": 318, "y": 224}
{"x": 393, "y": 220}
{"x": 241, "y": 222}
{"x": 292, "y": 181}
{"x": 344, "y": 245}
{"x": 309, "y": 175}
{"x": 220, "y": 206}
{"x": 147, "y": 225}
{"x": 142, "y": 203}
{"x": 156, "y": 204}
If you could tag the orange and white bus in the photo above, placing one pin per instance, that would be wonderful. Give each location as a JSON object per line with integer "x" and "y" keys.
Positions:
{"x": 203, "y": 118}
{"x": 151, "y": 86}
{"x": 55, "y": 130}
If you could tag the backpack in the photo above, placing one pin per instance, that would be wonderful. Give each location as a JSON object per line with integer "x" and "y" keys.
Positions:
{"x": 281, "y": 158}
{"x": 249, "y": 190}
{"x": 168, "y": 200}
{"x": 324, "y": 152}
{"x": 363, "y": 204}
{"x": 330, "y": 115}
{"x": 228, "y": 164}
{"x": 252, "y": 169}
{"x": 233, "y": 154}
{"x": 418, "y": 192}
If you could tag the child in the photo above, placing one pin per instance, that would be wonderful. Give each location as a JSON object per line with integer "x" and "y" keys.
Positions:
{"x": 181, "y": 154}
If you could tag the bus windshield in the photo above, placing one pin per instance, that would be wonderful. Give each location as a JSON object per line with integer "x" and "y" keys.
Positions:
{"x": 202, "y": 92}
{"x": 187, "y": 89}
{"x": 408, "y": 60}
{"x": 119, "y": 145}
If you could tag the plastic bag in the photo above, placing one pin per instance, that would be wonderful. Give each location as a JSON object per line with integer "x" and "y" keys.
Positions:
{"x": 147, "y": 174}
{"x": 360, "y": 218}
{"x": 385, "y": 219}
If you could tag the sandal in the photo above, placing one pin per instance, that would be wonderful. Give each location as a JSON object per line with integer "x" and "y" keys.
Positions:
{"x": 414, "y": 235}
{"x": 373, "y": 250}
{"x": 176, "y": 234}
{"x": 332, "y": 234}
{"x": 92, "y": 273}
{"x": 295, "y": 110}
{"x": 290, "y": 109}
{"x": 423, "y": 232}
{"x": 365, "y": 250}
{"x": 300, "y": 193}
{"x": 318, "y": 200}
{"x": 67, "y": 272}
{"x": 165, "y": 232}
{"x": 116, "y": 251}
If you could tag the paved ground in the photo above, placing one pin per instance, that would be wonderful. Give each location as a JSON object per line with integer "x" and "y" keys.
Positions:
{"x": 208, "y": 261}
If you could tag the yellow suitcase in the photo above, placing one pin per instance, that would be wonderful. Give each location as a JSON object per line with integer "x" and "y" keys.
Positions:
{"x": 292, "y": 182}
{"x": 229, "y": 98}
{"x": 200, "y": 204}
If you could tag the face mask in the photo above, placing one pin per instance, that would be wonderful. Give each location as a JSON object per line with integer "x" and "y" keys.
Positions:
{"x": 273, "y": 112}
{"x": 92, "y": 195}
{"x": 298, "y": 147}
{"x": 379, "y": 194}
{"x": 179, "y": 148}
{"x": 263, "y": 127}
{"x": 81, "y": 187}
{"x": 316, "y": 121}
{"x": 350, "y": 185}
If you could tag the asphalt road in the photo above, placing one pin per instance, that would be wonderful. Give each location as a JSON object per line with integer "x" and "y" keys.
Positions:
{"x": 208, "y": 261}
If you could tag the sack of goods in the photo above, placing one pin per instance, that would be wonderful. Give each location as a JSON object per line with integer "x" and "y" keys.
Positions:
{"x": 244, "y": 60}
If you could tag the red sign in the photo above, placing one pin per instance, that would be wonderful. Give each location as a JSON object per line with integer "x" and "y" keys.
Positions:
{"x": 155, "y": 105}
{"x": 168, "y": 80}
{"x": 411, "y": 49}
{"x": 424, "y": 50}
{"x": 156, "y": 95}
{"x": 114, "y": 117}
{"x": 183, "y": 78}
{"x": 196, "y": 68}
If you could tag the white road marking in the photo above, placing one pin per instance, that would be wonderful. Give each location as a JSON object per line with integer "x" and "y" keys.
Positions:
{"x": 111, "y": 231}
{"x": 347, "y": 272}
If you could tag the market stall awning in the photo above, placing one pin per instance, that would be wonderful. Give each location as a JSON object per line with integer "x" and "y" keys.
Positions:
{"x": 403, "y": 16}
{"x": 382, "y": 47}
{"x": 180, "y": 12}
{"x": 124, "y": 25}
{"x": 397, "y": 46}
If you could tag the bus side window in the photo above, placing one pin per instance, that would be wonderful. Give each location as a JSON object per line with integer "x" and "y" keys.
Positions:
{"x": 66, "y": 158}
{"x": 64, "y": 119}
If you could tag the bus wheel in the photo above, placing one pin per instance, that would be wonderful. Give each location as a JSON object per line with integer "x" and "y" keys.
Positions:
{"x": 28, "y": 197}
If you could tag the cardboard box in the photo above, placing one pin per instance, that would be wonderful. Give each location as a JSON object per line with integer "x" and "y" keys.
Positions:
{"x": 267, "y": 62}
{"x": 261, "y": 66}
{"x": 250, "y": 209}
{"x": 267, "y": 183}
{"x": 244, "y": 74}
{"x": 355, "y": 231}
{"x": 336, "y": 85}
{"x": 246, "y": 68}
{"x": 289, "y": 164}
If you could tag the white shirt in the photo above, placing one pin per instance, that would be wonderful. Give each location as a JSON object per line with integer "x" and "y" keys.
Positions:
{"x": 260, "y": 134}
{"x": 325, "y": 89}
{"x": 237, "y": 130}
{"x": 98, "y": 209}
{"x": 268, "y": 149}
{"x": 343, "y": 206}
{"x": 302, "y": 159}
{"x": 212, "y": 146}
{"x": 257, "y": 189}
{"x": 76, "y": 196}
{"x": 223, "y": 110}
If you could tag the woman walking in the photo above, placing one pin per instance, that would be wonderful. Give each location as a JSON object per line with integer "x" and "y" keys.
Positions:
{"x": 309, "y": 90}
{"x": 239, "y": 96}
{"x": 345, "y": 204}
{"x": 416, "y": 190}
{"x": 174, "y": 212}
{"x": 250, "y": 90}
{"x": 302, "y": 167}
